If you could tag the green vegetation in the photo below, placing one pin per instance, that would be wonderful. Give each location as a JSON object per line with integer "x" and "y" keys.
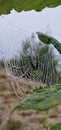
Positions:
{"x": 41, "y": 99}
{"x": 13, "y": 125}
{"x": 56, "y": 127}
{"x": 52, "y": 116}
{"x": 48, "y": 39}
{"x": 44, "y": 119}
{"x": 19, "y": 5}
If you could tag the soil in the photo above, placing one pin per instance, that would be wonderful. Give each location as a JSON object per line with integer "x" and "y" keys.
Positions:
{"x": 29, "y": 119}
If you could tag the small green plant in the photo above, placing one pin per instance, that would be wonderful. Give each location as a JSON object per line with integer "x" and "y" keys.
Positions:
{"x": 13, "y": 125}
{"x": 56, "y": 127}
{"x": 44, "y": 119}
{"x": 44, "y": 122}
{"x": 45, "y": 126}
{"x": 53, "y": 116}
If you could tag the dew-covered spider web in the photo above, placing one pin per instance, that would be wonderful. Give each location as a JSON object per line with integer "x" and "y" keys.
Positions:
{"x": 29, "y": 63}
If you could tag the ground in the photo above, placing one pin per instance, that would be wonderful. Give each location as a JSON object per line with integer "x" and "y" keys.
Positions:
{"x": 22, "y": 120}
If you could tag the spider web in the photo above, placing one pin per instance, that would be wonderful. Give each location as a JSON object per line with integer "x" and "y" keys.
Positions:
{"x": 28, "y": 62}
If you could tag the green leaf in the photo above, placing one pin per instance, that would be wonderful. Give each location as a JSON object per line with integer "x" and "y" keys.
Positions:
{"x": 41, "y": 99}
{"x": 56, "y": 127}
{"x": 48, "y": 39}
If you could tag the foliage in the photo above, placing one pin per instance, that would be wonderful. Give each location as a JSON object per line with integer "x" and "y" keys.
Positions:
{"x": 19, "y": 5}
{"x": 13, "y": 125}
{"x": 56, "y": 127}
{"x": 41, "y": 99}
{"x": 48, "y": 39}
